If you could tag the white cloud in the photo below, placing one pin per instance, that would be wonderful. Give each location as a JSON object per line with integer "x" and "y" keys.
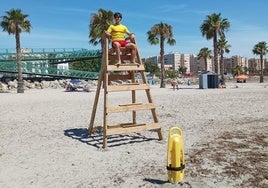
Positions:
{"x": 171, "y": 8}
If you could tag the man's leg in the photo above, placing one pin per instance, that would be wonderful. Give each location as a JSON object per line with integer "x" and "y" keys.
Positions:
{"x": 116, "y": 46}
{"x": 133, "y": 51}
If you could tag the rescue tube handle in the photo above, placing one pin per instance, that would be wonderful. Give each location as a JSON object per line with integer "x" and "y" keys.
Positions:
{"x": 173, "y": 129}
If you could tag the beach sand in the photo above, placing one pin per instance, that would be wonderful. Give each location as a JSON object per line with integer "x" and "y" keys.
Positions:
{"x": 44, "y": 140}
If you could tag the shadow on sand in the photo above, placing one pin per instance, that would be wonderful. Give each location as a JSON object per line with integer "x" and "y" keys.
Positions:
{"x": 163, "y": 182}
{"x": 156, "y": 181}
{"x": 95, "y": 140}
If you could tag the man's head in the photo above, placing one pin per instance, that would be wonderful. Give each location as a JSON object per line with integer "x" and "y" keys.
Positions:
{"x": 117, "y": 15}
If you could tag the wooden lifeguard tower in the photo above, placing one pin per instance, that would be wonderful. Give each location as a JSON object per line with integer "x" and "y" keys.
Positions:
{"x": 126, "y": 71}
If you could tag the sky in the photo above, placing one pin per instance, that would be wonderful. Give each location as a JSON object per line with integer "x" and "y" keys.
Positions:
{"x": 65, "y": 23}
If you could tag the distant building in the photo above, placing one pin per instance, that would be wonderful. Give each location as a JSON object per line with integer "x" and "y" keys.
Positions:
{"x": 153, "y": 59}
{"x": 63, "y": 66}
{"x": 173, "y": 61}
{"x": 198, "y": 65}
{"x": 230, "y": 63}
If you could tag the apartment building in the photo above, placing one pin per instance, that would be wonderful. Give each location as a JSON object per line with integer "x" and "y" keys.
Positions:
{"x": 186, "y": 62}
{"x": 174, "y": 61}
{"x": 194, "y": 65}
{"x": 198, "y": 65}
{"x": 154, "y": 59}
{"x": 229, "y": 63}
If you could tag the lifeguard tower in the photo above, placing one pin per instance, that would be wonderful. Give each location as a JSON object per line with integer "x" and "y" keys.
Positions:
{"x": 110, "y": 72}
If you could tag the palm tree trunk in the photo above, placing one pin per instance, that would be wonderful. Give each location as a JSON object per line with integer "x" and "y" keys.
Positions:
{"x": 222, "y": 68}
{"x": 20, "y": 88}
{"x": 215, "y": 46}
{"x": 162, "y": 84}
{"x": 206, "y": 64}
{"x": 261, "y": 75}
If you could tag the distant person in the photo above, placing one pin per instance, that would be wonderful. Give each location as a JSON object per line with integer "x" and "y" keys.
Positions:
{"x": 117, "y": 32}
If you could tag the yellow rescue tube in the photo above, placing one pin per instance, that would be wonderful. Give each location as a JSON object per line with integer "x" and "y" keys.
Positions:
{"x": 175, "y": 155}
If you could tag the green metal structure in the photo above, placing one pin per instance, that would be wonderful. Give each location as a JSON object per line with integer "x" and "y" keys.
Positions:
{"x": 42, "y": 62}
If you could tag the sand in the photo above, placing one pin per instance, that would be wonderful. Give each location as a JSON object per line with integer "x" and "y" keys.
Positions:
{"x": 44, "y": 140}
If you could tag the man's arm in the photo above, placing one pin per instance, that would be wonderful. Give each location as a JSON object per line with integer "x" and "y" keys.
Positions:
{"x": 108, "y": 34}
{"x": 131, "y": 35}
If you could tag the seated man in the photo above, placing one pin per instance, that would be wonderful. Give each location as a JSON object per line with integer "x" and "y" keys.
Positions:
{"x": 117, "y": 32}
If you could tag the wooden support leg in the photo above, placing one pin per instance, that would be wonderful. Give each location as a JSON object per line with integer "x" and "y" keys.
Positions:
{"x": 105, "y": 137}
{"x": 90, "y": 129}
{"x": 160, "y": 134}
{"x": 133, "y": 93}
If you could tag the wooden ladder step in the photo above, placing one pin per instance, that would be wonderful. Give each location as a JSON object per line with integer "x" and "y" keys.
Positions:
{"x": 125, "y": 67}
{"x": 130, "y": 128}
{"x": 127, "y": 87}
{"x": 130, "y": 107}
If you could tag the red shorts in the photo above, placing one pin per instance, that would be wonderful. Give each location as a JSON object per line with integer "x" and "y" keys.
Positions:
{"x": 123, "y": 43}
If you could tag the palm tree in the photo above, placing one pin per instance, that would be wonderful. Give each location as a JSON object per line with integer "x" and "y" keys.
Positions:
{"x": 15, "y": 22}
{"x": 204, "y": 53}
{"x": 223, "y": 47}
{"x": 260, "y": 49}
{"x": 213, "y": 26}
{"x": 99, "y": 22}
{"x": 158, "y": 34}
{"x": 237, "y": 70}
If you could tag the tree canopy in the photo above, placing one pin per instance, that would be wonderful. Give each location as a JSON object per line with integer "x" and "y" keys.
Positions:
{"x": 15, "y": 22}
{"x": 158, "y": 34}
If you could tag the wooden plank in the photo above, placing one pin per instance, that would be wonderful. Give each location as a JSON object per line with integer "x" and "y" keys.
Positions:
{"x": 105, "y": 102}
{"x": 127, "y": 87}
{"x": 130, "y": 107}
{"x": 126, "y": 67}
{"x": 100, "y": 80}
{"x": 130, "y": 128}
{"x": 133, "y": 94}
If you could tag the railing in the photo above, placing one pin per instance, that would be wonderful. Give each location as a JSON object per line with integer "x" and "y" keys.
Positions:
{"x": 55, "y": 55}
{"x": 39, "y": 61}
{"x": 31, "y": 69}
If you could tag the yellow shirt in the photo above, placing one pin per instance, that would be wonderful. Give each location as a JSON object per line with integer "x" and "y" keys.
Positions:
{"x": 118, "y": 31}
